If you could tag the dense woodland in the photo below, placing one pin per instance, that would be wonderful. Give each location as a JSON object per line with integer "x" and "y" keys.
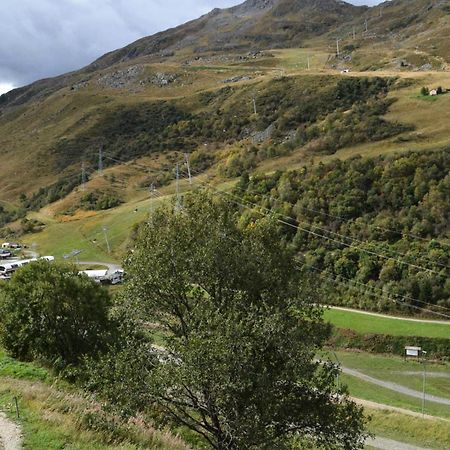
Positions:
{"x": 377, "y": 229}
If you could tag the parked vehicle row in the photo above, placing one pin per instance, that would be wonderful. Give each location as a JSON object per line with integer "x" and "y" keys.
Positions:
{"x": 11, "y": 245}
{"x": 8, "y": 268}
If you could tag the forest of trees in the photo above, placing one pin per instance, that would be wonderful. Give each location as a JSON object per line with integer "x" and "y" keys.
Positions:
{"x": 380, "y": 227}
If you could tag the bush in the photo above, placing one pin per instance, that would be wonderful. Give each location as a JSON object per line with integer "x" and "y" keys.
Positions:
{"x": 49, "y": 312}
{"x": 381, "y": 343}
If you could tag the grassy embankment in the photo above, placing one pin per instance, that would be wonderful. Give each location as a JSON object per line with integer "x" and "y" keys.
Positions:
{"x": 55, "y": 416}
{"x": 365, "y": 323}
{"x": 432, "y": 434}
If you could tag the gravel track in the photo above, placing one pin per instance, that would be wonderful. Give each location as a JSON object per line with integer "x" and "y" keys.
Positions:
{"x": 396, "y": 387}
{"x": 10, "y": 434}
{"x": 389, "y": 444}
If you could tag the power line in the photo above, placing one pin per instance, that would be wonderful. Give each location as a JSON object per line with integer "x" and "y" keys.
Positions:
{"x": 334, "y": 216}
{"x": 384, "y": 295}
{"x": 288, "y": 224}
{"x": 343, "y": 220}
{"x": 327, "y": 237}
{"x": 403, "y": 297}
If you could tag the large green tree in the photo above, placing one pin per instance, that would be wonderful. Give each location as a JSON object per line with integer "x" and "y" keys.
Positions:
{"x": 243, "y": 329}
{"x": 50, "y": 312}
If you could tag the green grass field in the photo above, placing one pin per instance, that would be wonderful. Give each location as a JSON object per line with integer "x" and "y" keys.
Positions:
{"x": 87, "y": 235}
{"x": 364, "y": 323}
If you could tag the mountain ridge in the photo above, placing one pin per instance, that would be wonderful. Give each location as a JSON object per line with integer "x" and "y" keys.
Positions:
{"x": 253, "y": 25}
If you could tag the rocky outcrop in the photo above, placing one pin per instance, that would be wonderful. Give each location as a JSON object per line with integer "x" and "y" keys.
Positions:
{"x": 122, "y": 78}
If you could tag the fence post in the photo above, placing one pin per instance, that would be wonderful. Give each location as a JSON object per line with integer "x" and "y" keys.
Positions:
{"x": 17, "y": 407}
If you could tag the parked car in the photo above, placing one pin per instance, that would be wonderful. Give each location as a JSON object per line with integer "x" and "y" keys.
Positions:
{"x": 12, "y": 245}
{"x": 5, "y": 254}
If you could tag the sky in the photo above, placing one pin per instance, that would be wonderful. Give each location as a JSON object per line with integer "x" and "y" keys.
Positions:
{"x": 44, "y": 38}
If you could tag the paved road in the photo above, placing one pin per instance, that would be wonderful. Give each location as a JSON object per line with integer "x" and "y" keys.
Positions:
{"x": 10, "y": 435}
{"x": 385, "y": 316}
{"x": 389, "y": 444}
{"x": 395, "y": 387}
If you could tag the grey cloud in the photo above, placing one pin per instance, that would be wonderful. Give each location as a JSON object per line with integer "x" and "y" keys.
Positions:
{"x": 42, "y": 38}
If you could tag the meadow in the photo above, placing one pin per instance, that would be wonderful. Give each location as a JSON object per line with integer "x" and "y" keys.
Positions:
{"x": 365, "y": 323}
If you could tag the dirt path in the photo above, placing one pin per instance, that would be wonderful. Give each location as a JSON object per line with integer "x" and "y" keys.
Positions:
{"x": 389, "y": 444}
{"x": 10, "y": 435}
{"x": 396, "y": 387}
{"x": 383, "y": 407}
{"x": 384, "y": 316}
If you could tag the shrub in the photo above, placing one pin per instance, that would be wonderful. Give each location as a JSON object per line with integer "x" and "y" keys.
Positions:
{"x": 49, "y": 312}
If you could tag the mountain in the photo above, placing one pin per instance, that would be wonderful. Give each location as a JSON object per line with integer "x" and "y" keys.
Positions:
{"x": 254, "y": 25}
{"x": 160, "y": 94}
{"x": 400, "y": 34}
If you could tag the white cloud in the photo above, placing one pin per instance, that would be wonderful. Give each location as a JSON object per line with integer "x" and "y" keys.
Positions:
{"x": 6, "y": 87}
{"x": 42, "y": 38}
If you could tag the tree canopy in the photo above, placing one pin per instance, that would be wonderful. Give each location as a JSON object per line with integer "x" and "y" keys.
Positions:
{"x": 50, "y": 312}
{"x": 241, "y": 331}
{"x": 378, "y": 226}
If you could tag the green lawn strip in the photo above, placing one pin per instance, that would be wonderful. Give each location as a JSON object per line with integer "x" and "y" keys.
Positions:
{"x": 10, "y": 367}
{"x": 406, "y": 373}
{"x": 433, "y": 434}
{"x": 364, "y": 323}
{"x": 367, "y": 391}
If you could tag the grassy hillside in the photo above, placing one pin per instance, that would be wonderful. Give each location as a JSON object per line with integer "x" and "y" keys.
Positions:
{"x": 363, "y": 323}
{"x": 54, "y": 415}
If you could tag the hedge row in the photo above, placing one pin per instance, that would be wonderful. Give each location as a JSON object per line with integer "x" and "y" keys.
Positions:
{"x": 436, "y": 348}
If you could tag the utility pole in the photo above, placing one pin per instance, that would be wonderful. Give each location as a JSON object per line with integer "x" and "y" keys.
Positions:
{"x": 152, "y": 190}
{"x": 354, "y": 33}
{"x": 424, "y": 378}
{"x": 186, "y": 156}
{"x": 105, "y": 232}
{"x": 366, "y": 25}
{"x": 83, "y": 177}
{"x": 337, "y": 47}
{"x": 178, "y": 200}
{"x": 100, "y": 161}
{"x": 308, "y": 62}
{"x": 338, "y": 381}
{"x": 254, "y": 106}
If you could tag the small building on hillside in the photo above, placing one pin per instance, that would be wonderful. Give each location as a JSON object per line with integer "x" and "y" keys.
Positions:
{"x": 433, "y": 92}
